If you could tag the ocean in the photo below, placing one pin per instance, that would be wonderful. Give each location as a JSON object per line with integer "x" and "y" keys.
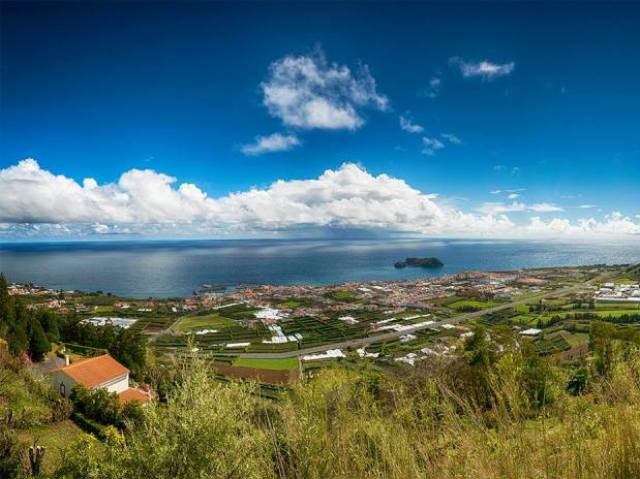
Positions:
{"x": 140, "y": 269}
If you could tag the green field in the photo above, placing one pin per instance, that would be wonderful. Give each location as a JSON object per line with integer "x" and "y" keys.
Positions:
{"x": 467, "y": 304}
{"x": 277, "y": 364}
{"x": 290, "y": 303}
{"x": 345, "y": 295}
{"x": 209, "y": 321}
{"x": 603, "y": 305}
{"x": 531, "y": 319}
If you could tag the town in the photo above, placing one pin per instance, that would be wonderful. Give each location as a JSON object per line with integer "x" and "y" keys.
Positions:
{"x": 259, "y": 331}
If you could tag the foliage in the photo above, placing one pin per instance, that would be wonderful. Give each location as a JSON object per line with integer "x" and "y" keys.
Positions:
{"x": 26, "y": 331}
{"x": 579, "y": 381}
{"x": 11, "y": 454}
{"x": 128, "y": 347}
{"x": 26, "y": 402}
{"x": 205, "y": 430}
{"x": 105, "y": 407}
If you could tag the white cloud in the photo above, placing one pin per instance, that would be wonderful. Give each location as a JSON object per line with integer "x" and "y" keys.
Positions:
{"x": 308, "y": 92}
{"x": 348, "y": 196}
{"x": 451, "y": 138}
{"x": 485, "y": 69}
{"x": 513, "y": 196}
{"x": 38, "y": 203}
{"x": 587, "y": 207}
{"x": 269, "y": 144}
{"x": 431, "y": 145}
{"x": 407, "y": 125}
{"x": 433, "y": 89}
{"x": 500, "y": 208}
{"x": 509, "y": 191}
{"x": 614, "y": 224}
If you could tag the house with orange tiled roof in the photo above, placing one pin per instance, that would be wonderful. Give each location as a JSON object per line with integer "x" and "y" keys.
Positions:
{"x": 100, "y": 372}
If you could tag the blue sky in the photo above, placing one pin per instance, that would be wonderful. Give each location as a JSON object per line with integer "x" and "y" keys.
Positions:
{"x": 96, "y": 90}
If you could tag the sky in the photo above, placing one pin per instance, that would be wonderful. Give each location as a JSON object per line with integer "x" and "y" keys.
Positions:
{"x": 201, "y": 119}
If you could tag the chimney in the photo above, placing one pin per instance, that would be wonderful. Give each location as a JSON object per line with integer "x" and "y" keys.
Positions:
{"x": 66, "y": 360}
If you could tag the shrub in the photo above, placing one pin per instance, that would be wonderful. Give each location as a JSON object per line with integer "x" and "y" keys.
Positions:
{"x": 11, "y": 454}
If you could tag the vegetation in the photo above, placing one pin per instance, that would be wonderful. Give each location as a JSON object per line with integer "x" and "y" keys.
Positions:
{"x": 126, "y": 346}
{"x": 104, "y": 407}
{"x": 500, "y": 406}
{"x": 468, "y": 306}
{"x": 278, "y": 364}
{"x": 489, "y": 412}
{"x": 28, "y": 332}
{"x": 200, "y": 322}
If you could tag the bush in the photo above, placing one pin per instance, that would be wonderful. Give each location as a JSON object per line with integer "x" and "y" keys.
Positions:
{"x": 11, "y": 455}
{"x": 90, "y": 426}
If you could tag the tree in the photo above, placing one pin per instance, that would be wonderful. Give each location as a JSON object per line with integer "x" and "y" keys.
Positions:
{"x": 49, "y": 322}
{"x": 38, "y": 343}
{"x": 6, "y": 308}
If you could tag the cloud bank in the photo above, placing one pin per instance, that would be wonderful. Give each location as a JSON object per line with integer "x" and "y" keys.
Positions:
{"x": 38, "y": 202}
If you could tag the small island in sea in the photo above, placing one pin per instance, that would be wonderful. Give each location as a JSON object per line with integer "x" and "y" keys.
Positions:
{"x": 419, "y": 263}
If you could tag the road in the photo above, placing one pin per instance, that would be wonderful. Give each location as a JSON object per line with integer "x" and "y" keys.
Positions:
{"x": 390, "y": 336}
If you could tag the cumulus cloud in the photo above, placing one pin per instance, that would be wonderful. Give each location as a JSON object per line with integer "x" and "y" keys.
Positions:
{"x": 613, "y": 224}
{"x": 271, "y": 143}
{"x": 407, "y": 125}
{"x": 348, "y": 196}
{"x": 485, "y": 69}
{"x": 37, "y": 203}
{"x": 308, "y": 92}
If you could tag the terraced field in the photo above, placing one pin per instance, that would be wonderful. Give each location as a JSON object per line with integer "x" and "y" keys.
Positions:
{"x": 472, "y": 305}
{"x": 316, "y": 331}
{"x": 215, "y": 341}
{"x": 198, "y": 323}
{"x": 275, "y": 364}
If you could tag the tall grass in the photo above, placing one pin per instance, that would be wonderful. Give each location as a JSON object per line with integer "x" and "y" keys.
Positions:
{"x": 510, "y": 417}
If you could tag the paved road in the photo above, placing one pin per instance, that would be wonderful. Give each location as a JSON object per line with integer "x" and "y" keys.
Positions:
{"x": 360, "y": 342}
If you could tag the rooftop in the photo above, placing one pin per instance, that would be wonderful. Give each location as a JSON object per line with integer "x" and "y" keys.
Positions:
{"x": 95, "y": 371}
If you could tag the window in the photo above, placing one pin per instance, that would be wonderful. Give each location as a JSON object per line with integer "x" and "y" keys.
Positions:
{"x": 62, "y": 390}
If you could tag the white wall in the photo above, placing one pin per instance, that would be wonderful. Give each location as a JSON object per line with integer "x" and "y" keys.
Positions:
{"x": 118, "y": 385}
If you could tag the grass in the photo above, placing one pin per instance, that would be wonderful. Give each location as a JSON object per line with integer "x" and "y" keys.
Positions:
{"x": 55, "y": 437}
{"x": 345, "y": 295}
{"x": 600, "y": 305}
{"x": 531, "y": 319}
{"x": 103, "y": 309}
{"x": 472, "y": 304}
{"x": 210, "y": 321}
{"x": 291, "y": 303}
{"x": 276, "y": 364}
{"x": 425, "y": 422}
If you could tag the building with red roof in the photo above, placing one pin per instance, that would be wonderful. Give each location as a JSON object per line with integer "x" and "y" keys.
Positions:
{"x": 100, "y": 372}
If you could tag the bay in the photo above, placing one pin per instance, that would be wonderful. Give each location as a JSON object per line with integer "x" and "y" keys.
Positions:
{"x": 176, "y": 268}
